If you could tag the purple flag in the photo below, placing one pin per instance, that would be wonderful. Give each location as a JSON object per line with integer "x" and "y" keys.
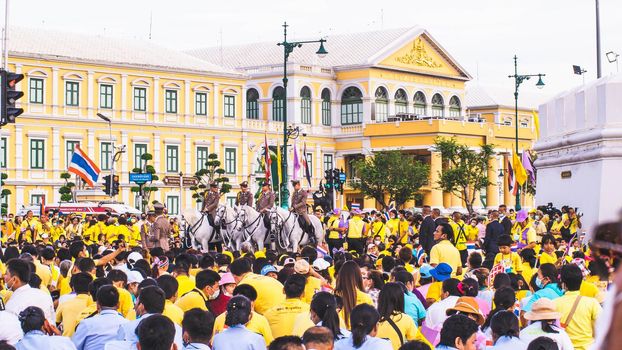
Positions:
{"x": 529, "y": 168}
{"x": 296, "y": 162}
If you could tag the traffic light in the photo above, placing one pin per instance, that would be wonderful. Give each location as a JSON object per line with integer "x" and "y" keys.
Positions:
{"x": 115, "y": 185}
{"x": 107, "y": 184}
{"x": 8, "y": 111}
{"x": 328, "y": 175}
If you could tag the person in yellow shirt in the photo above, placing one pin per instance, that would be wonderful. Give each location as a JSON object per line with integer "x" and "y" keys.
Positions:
{"x": 548, "y": 250}
{"x": 119, "y": 280}
{"x": 281, "y": 317}
{"x": 460, "y": 236}
{"x": 401, "y": 229}
{"x": 182, "y": 273}
{"x": 349, "y": 286}
{"x": 258, "y": 323}
{"x": 206, "y": 289}
{"x": 68, "y": 311}
{"x": 472, "y": 231}
{"x": 169, "y": 285}
{"x": 378, "y": 227}
{"x": 556, "y": 226}
{"x": 393, "y": 318}
{"x": 312, "y": 285}
{"x": 27, "y": 228}
{"x": 357, "y": 232}
{"x": 444, "y": 250}
{"x": 123, "y": 231}
{"x": 174, "y": 228}
{"x": 74, "y": 229}
{"x": 528, "y": 262}
{"x": 336, "y": 230}
{"x": 47, "y": 257}
{"x": 510, "y": 260}
{"x": 57, "y": 230}
{"x": 585, "y": 310}
{"x": 269, "y": 290}
{"x": 523, "y": 231}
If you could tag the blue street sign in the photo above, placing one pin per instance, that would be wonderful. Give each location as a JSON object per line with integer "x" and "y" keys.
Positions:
{"x": 342, "y": 177}
{"x": 140, "y": 178}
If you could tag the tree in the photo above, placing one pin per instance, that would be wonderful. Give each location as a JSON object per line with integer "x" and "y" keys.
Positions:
{"x": 465, "y": 171}
{"x": 212, "y": 172}
{"x": 145, "y": 190}
{"x": 392, "y": 173}
{"x": 66, "y": 190}
{"x": 4, "y": 194}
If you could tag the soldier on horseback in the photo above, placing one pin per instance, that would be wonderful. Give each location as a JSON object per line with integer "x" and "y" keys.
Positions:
{"x": 210, "y": 205}
{"x": 244, "y": 197}
{"x": 299, "y": 206}
{"x": 265, "y": 202}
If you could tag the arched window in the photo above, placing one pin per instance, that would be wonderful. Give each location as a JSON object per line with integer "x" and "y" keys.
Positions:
{"x": 305, "y": 105}
{"x": 401, "y": 102}
{"x": 438, "y": 106}
{"x": 326, "y": 118}
{"x": 351, "y": 106}
{"x": 252, "y": 104}
{"x": 381, "y": 105}
{"x": 420, "y": 103}
{"x": 454, "y": 107}
{"x": 278, "y": 103}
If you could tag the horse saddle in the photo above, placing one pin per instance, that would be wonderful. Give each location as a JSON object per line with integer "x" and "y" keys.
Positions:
{"x": 306, "y": 227}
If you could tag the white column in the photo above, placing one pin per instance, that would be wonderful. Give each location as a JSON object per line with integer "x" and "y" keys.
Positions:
{"x": 156, "y": 153}
{"x": 156, "y": 99}
{"x": 187, "y": 99}
{"x": 367, "y": 110}
{"x": 55, "y": 101}
{"x": 124, "y": 97}
{"x": 125, "y": 189}
{"x": 215, "y": 103}
{"x": 56, "y": 194}
{"x": 186, "y": 195}
{"x": 218, "y": 150}
{"x": 318, "y": 173}
{"x": 90, "y": 88}
{"x": 19, "y": 197}
{"x": 90, "y": 140}
{"x": 243, "y": 103}
{"x": 56, "y": 150}
{"x": 19, "y": 154}
{"x": 244, "y": 154}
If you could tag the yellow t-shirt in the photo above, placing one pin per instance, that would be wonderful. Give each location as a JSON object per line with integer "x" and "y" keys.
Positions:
{"x": 173, "y": 312}
{"x": 434, "y": 291}
{"x": 193, "y": 299}
{"x": 63, "y": 285}
{"x": 404, "y": 323}
{"x": 333, "y": 223}
{"x": 312, "y": 286}
{"x": 378, "y": 228}
{"x": 445, "y": 252}
{"x": 44, "y": 272}
{"x": 517, "y": 232}
{"x": 527, "y": 271}
{"x": 86, "y": 312}
{"x": 269, "y": 291}
{"x": 588, "y": 289}
{"x": 460, "y": 234}
{"x": 282, "y": 316}
{"x": 546, "y": 258}
{"x": 581, "y": 327}
{"x": 186, "y": 284}
{"x": 511, "y": 260}
{"x": 361, "y": 298}
{"x": 68, "y": 312}
{"x": 258, "y": 324}
{"x": 125, "y": 302}
{"x": 355, "y": 227}
{"x": 472, "y": 232}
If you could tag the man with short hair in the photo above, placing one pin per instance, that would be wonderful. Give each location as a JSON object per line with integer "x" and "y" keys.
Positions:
{"x": 265, "y": 202}
{"x": 156, "y": 333}
{"x": 169, "y": 285}
{"x": 16, "y": 279}
{"x": 579, "y": 313}
{"x": 94, "y": 332}
{"x": 444, "y": 250}
{"x": 494, "y": 230}
{"x": 318, "y": 338}
{"x": 269, "y": 290}
{"x": 282, "y": 316}
{"x": 207, "y": 288}
{"x": 160, "y": 231}
{"x": 68, "y": 311}
{"x": 426, "y": 230}
{"x": 288, "y": 342}
{"x": 458, "y": 332}
{"x": 197, "y": 328}
{"x": 210, "y": 204}
{"x": 244, "y": 197}
{"x": 505, "y": 220}
{"x": 459, "y": 228}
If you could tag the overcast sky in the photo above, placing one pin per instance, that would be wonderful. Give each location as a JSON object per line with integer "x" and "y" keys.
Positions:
{"x": 549, "y": 36}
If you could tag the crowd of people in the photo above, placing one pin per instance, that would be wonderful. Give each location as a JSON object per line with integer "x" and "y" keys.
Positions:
{"x": 380, "y": 280}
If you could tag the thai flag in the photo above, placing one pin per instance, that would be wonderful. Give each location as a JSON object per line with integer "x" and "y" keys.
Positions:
{"x": 84, "y": 167}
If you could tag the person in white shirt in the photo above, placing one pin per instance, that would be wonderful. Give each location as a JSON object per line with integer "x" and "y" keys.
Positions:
{"x": 16, "y": 279}
{"x": 156, "y": 332}
{"x": 543, "y": 317}
{"x": 32, "y": 321}
{"x": 11, "y": 330}
{"x": 505, "y": 332}
{"x": 437, "y": 312}
{"x": 364, "y": 326}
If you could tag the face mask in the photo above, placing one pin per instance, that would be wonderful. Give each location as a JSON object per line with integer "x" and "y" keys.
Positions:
{"x": 558, "y": 219}
{"x": 215, "y": 295}
{"x": 416, "y": 241}
{"x": 539, "y": 283}
{"x": 376, "y": 242}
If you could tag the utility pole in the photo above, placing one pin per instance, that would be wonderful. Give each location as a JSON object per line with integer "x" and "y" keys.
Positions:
{"x": 599, "y": 72}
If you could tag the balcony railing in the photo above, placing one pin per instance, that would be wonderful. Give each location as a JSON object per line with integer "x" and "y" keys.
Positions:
{"x": 407, "y": 117}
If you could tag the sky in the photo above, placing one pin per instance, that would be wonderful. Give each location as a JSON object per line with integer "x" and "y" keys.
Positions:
{"x": 549, "y": 36}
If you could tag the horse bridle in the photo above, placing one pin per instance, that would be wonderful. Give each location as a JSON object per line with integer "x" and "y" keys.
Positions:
{"x": 248, "y": 235}
{"x": 279, "y": 226}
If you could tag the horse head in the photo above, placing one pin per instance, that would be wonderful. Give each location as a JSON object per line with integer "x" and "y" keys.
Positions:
{"x": 220, "y": 214}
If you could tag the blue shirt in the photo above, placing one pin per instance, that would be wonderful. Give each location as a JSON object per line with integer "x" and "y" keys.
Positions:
{"x": 238, "y": 338}
{"x": 37, "y": 340}
{"x": 508, "y": 343}
{"x": 95, "y": 332}
{"x": 196, "y": 346}
{"x": 370, "y": 343}
{"x": 550, "y": 291}
{"x": 127, "y": 331}
{"x": 413, "y": 307}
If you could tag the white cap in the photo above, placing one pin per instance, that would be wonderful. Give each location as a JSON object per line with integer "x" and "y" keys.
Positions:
{"x": 134, "y": 277}
{"x": 320, "y": 264}
{"x": 134, "y": 257}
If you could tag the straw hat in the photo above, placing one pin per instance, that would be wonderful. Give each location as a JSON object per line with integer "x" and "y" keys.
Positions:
{"x": 543, "y": 309}
{"x": 467, "y": 305}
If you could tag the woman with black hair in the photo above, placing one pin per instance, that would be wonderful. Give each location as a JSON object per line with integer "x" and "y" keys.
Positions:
{"x": 349, "y": 286}
{"x": 548, "y": 283}
{"x": 505, "y": 331}
{"x": 504, "y": 300}
{"x": 237, "y": 336}
{"x": 33, "y": 323}
{"x": 324, "y": 312}
{"x": 394, "y": 324}
{"x": 364, "y": 322}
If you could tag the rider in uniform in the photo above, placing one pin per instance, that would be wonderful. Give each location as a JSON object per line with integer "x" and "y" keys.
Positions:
{"x": 299, "y": 205}
{"x": 244, "y": 197}
{"x": 210, "y": 204}
{"x": 265, "y": 202}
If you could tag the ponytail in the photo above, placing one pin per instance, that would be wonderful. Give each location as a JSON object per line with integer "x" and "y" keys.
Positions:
{"x": 363, "y": 319}
{"x": 324, "y": 305}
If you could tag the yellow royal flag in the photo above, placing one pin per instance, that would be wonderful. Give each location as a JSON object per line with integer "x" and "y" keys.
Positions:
{"x": 278, "y": 163}
{"x": 519, "y": 171}
{"x": 536, "y": 123}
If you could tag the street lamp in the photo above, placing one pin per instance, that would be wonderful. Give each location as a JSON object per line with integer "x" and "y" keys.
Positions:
{"x": 106, "y": 119}
{"x": 289, "y": 132}
{"x": 613, "y": 57}
{"x": 518, "y": 79}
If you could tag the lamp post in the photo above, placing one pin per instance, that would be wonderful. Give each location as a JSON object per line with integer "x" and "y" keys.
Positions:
{"x": 106, "y": 119}
{"x": 518, "y": 79}
{"x": 289, "y": 132}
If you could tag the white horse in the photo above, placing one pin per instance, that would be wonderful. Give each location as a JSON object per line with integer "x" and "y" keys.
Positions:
{"x": 254, "y": 229}
{"x": 285, "y": 227}
{"x": 231, "y": 227}
{"x": 199, "y": 229}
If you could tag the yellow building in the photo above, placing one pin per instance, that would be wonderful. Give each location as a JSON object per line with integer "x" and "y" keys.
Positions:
{"x": 392, "y": 89}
